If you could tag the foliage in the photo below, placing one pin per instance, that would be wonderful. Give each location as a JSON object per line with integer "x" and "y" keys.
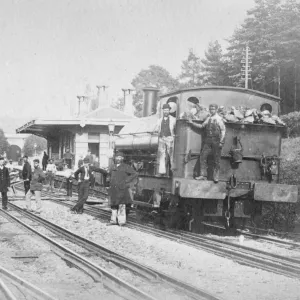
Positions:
{"x": 28, "y": 148}
{"x": 190, "y": 75}
{"x": 214, "y": 66}
{"x": 4, "y": 145}
{"x": 119, "y": 103}
{"x": 292, "y": 120}
{"x": 154, "y": 76}
{"x": 272, "y": 32}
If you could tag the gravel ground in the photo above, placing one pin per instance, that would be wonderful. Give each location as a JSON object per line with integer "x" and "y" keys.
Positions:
{"x": 47, "y": 271}
{"x": 222, "y": 277}
{"x": 283, "y": 250}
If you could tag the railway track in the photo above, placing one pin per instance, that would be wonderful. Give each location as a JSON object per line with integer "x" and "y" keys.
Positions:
{"x": 244, "y": 255}
{"x": 11, "y": 285}
{"x": 151, "y": 280}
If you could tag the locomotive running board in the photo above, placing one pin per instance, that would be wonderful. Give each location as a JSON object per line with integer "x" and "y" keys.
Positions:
{"x": 191, "y": 188}
{"x": 275, "y": 192}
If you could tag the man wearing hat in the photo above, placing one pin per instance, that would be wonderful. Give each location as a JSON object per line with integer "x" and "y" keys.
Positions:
{"x": 122, "y": 176}
{"x": 26, "y": 174}
{"x": 84, "y": 175}
{"x": 4, "y": 182}
{"x": 36, "y": 186}
{"x": 213, "y": 142}
{"x": 166, "y": 131}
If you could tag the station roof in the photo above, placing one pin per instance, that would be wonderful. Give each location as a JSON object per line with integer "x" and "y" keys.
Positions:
{"x": 99, "y": 117}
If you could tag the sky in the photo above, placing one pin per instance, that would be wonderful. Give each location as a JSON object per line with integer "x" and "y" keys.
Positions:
{"x": 50, "y": 50}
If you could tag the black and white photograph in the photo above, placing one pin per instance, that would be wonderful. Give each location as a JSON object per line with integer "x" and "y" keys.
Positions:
{"x": 150, "y": 149}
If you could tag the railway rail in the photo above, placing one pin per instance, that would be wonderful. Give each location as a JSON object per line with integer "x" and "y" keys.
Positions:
{"x": 156, "y": 281}
{"x": 11, "y": 284}
{"x": 242, "y": 254}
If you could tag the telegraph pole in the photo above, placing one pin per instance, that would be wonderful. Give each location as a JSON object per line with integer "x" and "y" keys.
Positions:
{"x": 246, "y": 61}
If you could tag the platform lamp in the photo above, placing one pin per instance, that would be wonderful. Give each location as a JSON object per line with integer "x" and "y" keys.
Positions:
{"x": 111, "y": 130}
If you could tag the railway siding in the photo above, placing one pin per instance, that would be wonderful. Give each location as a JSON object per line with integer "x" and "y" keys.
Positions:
{"x": 186, "y": 263}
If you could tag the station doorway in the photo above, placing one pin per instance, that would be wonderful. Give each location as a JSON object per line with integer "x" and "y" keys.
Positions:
{"x": 94, "y": 148}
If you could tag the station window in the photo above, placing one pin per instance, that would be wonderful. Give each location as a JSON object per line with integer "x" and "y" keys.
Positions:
{"x": 266, "y": 106}
{"x": 173, "y": 102}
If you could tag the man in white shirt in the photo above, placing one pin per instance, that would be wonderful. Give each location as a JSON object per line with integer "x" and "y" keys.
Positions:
{"x": 166, "y": 131}
{"x": 50, "y": 172}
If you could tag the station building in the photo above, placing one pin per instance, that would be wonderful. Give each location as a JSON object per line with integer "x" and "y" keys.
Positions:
{"x": 92, "y": 130}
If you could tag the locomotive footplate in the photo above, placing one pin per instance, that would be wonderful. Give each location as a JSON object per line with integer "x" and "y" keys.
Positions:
{"x": 191, "y": 188}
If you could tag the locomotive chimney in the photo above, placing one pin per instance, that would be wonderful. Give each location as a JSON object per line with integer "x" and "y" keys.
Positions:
{"x": 150, "y": 101}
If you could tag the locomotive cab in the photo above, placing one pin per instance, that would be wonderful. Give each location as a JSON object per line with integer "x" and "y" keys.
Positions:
{"x": 250, "y": 159}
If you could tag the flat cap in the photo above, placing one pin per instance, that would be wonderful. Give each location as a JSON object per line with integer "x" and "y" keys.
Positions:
{"x": 119, "y": 153}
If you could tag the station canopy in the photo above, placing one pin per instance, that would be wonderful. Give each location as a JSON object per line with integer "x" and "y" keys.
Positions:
{"x": 99, "y": 117}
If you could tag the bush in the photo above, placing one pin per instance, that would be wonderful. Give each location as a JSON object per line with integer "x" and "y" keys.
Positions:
{"x": 292, "y": 120}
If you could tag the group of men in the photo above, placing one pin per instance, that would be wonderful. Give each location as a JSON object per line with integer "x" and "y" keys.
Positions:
{"x": 121, "y": 176}
{"x": 213, "y": 142}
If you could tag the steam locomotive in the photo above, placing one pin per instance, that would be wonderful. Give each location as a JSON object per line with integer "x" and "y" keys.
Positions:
{"x": 179, "y": 200}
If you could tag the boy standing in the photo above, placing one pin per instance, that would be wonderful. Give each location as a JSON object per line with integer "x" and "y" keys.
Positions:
{"x": 36, "y": 186}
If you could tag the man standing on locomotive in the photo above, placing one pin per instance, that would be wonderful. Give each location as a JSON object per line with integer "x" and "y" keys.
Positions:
{"x": 121, "y": 177}
{"x": 214, "y": 140}
{"x": 166, "y": 131}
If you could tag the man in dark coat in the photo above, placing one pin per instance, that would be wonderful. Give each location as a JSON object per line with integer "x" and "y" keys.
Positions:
{"x": 26, "y": 174}
{"x": 122, "y": 176}
{"x": 45, "y": 161}
{"x": 4, "y": 182}
{"x": 84, "y": 175}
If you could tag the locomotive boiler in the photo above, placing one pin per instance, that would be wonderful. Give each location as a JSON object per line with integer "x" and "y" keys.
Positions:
{"x": 250, "y": 160}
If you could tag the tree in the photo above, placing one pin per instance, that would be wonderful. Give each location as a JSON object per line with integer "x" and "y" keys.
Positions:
{"x": 190, "y": 75}
{"x": 4, "y": 145}
{"x": 214, "y": 66}
{"x": 28, "y": 148}
{"x": 119, "y": 103}
{"x": 154, "y": 76}
{"x": 272, "y": 31}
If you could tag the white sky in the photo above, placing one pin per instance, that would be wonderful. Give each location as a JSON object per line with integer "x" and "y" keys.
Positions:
{"x": 51, "y": 49}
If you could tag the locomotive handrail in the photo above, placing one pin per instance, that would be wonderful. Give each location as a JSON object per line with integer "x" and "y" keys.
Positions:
{"x": 256, "y": 157}
{"x": 135, "y": 133}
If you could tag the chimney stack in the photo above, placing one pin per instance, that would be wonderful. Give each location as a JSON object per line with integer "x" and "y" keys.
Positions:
{"x": 150, "y": 101}
{"x": 128, "y": 102}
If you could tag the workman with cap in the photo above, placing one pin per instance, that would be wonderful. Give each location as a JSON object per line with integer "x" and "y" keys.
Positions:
{"x": 213, "y": 142}
{"x": 84, "y": 175}
{"x": 4, "y": 182}
{"x": 166, "y": 132}
{"x": 36, "y": 186}
{"x": 121, "y": 177}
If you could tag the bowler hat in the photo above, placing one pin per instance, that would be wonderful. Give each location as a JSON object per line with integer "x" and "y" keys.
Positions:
{"x": 215, "y": 106}
{"x": 86, "y": 160}
{"x": 166, "y": 106}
